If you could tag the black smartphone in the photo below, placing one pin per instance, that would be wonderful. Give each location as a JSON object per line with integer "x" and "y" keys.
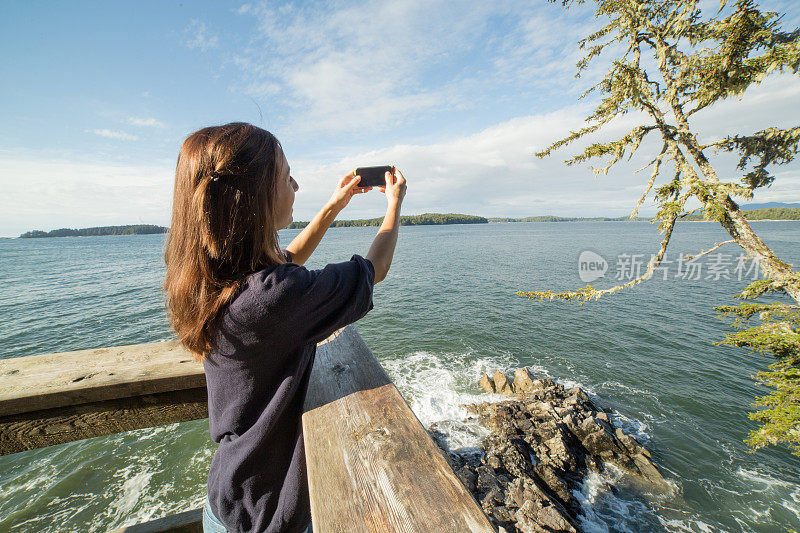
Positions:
{"x": 373, "y": 176}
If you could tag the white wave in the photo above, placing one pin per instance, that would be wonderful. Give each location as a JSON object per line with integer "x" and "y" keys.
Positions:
{"x": 133, "y": 486}
{"x": 631, "y": 426}
{"x": 691, "y": 525}
{"x": 627, "y": 388}
{"x": 778, "y": 491}
{"x": 435, "y": 385}
{"x": 601, "y": 506}
{"x": 569, "y": 384}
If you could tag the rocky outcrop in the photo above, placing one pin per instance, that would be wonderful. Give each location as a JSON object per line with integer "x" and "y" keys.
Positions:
{"x": 542, "y": 443}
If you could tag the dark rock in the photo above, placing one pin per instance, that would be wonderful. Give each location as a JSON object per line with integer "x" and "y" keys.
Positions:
{"x": 493, "y": 497}
{"x": 501, "y": 384}
{"x": 541, "y": 444}
{"x": 572, "y": 402}
{"x": 523, "y": 383}
{"x": 503, "y": 517}
{"x": 534, "y": 517}
{"x": 561, "y": 452}
{"x": 524, "y": 425}
{"x": 487, "y": 480}
{"x": 487, "y": 384}
{"x": 522, "y": 489}
{"x": 571, "y": 423}
{"x": 546, "y": 429}
{"x": 493, "y": 460}
{"x": 602, "y": 444}
{"x": 468, "y": 477}
{"x": 551, "y": 478}
{"x": 627, "y": 442}
{"x": 515, "y": 455}
{"x": 649, "y": 471}
{"x": 591, "y": 425}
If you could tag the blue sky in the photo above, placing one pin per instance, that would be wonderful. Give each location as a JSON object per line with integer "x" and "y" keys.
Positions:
{"x": 98, "y": 96}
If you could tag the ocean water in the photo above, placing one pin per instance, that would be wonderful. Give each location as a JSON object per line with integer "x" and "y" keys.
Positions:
{"x": 446, "y": 314}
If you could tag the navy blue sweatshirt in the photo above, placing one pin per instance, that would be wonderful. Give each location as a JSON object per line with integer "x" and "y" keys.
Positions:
{"x": 257, "y": 376}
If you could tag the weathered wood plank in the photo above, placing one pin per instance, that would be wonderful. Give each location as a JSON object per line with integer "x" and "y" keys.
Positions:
{"x": 62, "y": 397}
{"x": 371, "y": 465}
{"x": 62, "y": 379}
{"x": 186, "y": 522}
{"x": 47, "y": 427}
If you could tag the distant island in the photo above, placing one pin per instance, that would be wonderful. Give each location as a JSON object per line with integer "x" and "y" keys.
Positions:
{"x": 136, "y": 229}
{"x": 425, "y": 219}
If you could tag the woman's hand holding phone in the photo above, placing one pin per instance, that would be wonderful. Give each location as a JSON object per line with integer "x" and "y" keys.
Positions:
{"x": 346, "y": 189}
{"x": 395, "y": 188}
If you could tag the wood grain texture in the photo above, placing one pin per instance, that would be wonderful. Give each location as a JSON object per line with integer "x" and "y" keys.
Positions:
{"x": 371, "y": 465}
{"x": 61, "y": 379}
{"x": 48, "y": 427}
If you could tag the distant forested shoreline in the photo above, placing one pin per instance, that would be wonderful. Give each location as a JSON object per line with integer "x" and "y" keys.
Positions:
{"x": 553, "y": 218}
{"x": 770, "y": 213}
{"x": 425, "y": 219}
{"x": 135, "y": 229}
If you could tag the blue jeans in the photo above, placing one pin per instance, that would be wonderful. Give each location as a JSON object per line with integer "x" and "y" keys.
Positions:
{"x": 211, "y": 523}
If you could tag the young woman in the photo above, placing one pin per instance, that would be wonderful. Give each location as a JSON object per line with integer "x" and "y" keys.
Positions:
{"x": 253, "y": 314}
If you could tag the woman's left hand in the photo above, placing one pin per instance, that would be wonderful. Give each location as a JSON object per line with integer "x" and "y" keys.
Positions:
{"x": 347, "y": 187}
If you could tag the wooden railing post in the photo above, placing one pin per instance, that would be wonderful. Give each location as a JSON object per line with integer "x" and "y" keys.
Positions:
{"x": 371, "y": 465}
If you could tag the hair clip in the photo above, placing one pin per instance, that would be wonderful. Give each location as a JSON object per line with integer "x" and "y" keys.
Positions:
{"x": 215, "y": 176}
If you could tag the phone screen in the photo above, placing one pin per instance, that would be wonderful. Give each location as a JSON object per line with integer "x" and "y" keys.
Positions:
{"x": 373, "y": 176}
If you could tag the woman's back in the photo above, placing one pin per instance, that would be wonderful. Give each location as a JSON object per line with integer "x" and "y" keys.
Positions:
{"x": 257, "y": 376}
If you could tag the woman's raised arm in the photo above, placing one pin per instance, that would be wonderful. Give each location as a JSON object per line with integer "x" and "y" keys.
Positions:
{"x": 382, "y": 249}
{"x": 307, "y": 240}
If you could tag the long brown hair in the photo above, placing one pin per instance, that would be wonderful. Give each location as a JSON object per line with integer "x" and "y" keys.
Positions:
{"x": 222, "y": 225}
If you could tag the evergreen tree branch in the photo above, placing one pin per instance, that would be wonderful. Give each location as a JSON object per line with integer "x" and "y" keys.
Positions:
{"x": 656, "y": 168}
{"x": 689, "y": 257}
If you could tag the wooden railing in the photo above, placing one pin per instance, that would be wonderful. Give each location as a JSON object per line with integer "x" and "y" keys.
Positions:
{"x": 371, "y": 465}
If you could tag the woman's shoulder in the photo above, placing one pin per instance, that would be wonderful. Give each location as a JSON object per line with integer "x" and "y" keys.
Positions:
{"x": 289, "y": 283}
{"x": 274, "y": 279}
{"x": 266, "y": 291}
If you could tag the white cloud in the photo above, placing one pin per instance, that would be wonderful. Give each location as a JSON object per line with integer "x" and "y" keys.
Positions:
{"x": 490, "y": 173}
{"x": 374, "y": 66}
{"x": 146, "y": 122}
{"x": 350, "y": 67}
{"x": 113, "y": 134}
{"x": 46, "y": 193}
{"x": 196, "y": 36}
{"x": 494, "y": 172}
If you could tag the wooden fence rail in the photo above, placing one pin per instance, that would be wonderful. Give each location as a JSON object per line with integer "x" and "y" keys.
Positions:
{"x": 371, "y": 465}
